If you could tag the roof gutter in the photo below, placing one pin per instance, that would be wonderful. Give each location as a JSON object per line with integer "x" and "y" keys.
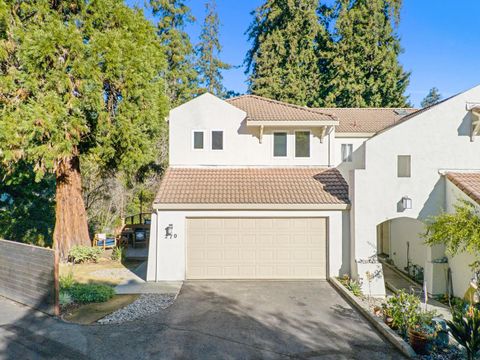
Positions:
{"x": 285, "y": 207}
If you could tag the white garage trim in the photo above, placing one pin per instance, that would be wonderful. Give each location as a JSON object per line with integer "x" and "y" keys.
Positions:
{"x": 293, "y": 248}
{"x": 167, "y": 256}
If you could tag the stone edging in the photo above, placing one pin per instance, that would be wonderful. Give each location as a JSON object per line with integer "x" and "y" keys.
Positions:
{"x": 391, "y": 335}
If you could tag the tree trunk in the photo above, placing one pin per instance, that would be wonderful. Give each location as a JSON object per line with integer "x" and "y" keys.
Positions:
{"x": 71, "y": 227}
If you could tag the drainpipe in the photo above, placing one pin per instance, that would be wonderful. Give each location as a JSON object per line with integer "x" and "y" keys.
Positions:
{"x": 156, "y": 247}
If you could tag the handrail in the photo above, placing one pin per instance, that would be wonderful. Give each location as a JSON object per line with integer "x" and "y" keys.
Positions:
{"x": 129, "y": 220}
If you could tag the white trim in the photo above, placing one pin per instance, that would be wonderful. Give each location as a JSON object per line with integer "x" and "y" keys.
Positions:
{"x": 297, "y": 123}
{"x": 193, "y": 139}
{"x": 353, "y": 134}
{"x": 215, "y": 206}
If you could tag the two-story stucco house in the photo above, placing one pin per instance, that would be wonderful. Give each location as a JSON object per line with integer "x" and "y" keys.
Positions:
{"x": 260, "y": 189}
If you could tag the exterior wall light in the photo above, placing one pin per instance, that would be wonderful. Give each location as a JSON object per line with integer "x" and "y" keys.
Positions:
{"x": 406, "y": 202}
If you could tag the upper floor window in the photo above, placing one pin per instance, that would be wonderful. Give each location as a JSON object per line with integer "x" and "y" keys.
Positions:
{"x": 302, "y": 144}
{"x": 347, "y": 151}
{"x": 279, "y": 144}
{"x": 198, "y": 140}
{"x": 404, "y": 164}
{"x": 217, "y": 140}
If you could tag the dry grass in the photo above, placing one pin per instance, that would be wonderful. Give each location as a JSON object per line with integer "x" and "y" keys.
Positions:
{"x": 106, "y": 271}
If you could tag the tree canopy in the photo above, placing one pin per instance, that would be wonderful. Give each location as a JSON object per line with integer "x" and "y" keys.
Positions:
{"x": 283, "y": 62}
{"x": 432, "y": 98}
{"x": 78, "y": 78}
{"x": 209, "y": 65}
{"x": 344, "y": 55}
{"x": 458, "y": 231}
{"x": 181, "y": 76}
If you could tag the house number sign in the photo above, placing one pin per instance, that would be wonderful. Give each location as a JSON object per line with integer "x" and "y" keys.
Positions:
{"x": 169, "y": 232}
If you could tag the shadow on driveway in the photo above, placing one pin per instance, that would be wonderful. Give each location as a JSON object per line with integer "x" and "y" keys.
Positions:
{"x": 218, "y": 320}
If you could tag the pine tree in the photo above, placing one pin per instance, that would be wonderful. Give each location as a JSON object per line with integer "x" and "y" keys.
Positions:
{"x": 286, "y": 59}
{"x": 181, "y": 76}
{"x": 78, "y": 78}
{"x": 432, "y": 98}
{"x": 363, "y": 67}
{"x": 209, "y": 65}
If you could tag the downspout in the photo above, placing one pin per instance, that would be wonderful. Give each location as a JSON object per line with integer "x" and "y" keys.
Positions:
{"x": 156, "y": 247}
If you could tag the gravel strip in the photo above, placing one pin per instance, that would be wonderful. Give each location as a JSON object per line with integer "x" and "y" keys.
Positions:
{"x": 145, "y": 305}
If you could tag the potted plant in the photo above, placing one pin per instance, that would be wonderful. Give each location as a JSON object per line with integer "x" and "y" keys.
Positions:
{"x": 421, "y": 331}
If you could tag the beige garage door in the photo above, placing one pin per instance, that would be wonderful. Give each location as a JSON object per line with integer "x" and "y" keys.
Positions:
{"x": 256, "y": 248}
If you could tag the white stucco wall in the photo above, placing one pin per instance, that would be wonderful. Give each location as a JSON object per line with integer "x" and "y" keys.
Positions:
{"x": 459, "y": 264}
{"x": 405, "y": 230}
{"x": 169, "y": 264}
{"x": 241, "y": 145}
{"x": 436, "y": 139}
{"x": 358, "y": 156}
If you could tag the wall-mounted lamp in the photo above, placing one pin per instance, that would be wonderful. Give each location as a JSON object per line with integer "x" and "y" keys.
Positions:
{"x": 406, "y": 202}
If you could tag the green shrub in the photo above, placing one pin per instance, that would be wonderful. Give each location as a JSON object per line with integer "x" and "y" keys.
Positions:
{"x": 403, "y": 308}
{"x": 65, "y": 298}
{"x": 81, "y": 254}
{"x": 89, "y": 293}
{"x": 66, "y": 281}
{"x": 352, "y": 285}
{"x": 465, "y": 328}
{"x": 118, "y": 254}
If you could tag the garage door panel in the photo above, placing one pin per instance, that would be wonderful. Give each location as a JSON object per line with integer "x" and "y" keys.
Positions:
{"x": 256, "y": 248}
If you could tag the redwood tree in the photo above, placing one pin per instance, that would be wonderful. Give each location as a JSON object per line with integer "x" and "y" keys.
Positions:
{"x": 78, "y": 78}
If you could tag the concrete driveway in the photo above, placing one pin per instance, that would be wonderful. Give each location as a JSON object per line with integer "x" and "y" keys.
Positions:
{"x": 214, "y": 320}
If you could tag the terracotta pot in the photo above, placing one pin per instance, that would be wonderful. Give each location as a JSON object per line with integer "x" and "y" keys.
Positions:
{"x": 419, "y": 341}
{"x": 389, "y": 321}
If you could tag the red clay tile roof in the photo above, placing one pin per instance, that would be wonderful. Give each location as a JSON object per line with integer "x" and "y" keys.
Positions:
{"x": 469, "y": 183}
{"x": 294, "y": 185}
{"x": 366, "y": 120}
{"x": 262, "y": 109}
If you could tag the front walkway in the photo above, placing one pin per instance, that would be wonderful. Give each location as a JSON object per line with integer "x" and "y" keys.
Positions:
{"x": 395, "y": 281}
{"x": 209, "y": 320}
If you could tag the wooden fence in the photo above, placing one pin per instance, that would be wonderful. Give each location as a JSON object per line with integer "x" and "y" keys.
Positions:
{"x": 29, "y": 275}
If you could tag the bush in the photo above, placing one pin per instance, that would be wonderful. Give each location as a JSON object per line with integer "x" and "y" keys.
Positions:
{"x": 89, "y": 293}
{"x": 65, "y": 298}
{"x": 403, "y": 309}
{"x": 352, "y": 285}
{"x": 81, "y": 254}
{"x": 66, "y": 281}
{"x": 118, "y": 254}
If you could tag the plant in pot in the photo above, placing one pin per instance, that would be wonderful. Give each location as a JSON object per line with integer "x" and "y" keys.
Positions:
{"x": 399, "y": 309}
{"x": 421, "y": 331}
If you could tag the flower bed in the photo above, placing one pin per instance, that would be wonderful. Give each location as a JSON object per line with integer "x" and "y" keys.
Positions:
{"x": 417, "y": 328}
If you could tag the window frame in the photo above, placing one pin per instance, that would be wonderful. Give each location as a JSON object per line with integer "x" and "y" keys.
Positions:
{"x": 409, "y": 175}
{"x": 193, "y": 139}
{"x": 309, "y": 144}
{"x": 286, "y": 144}
{"x": 211, "y": 139}
{"x": 349, "y": 158}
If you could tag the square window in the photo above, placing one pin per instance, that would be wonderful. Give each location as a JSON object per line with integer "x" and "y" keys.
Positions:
{"x": 280, "y": 144}
{"x": 347, "y": 150}
{"x": 198, "y": 139}
{"x": 302, "y": 144}
{"x": 404, "y": 166}
{"x": 217, "y": 140}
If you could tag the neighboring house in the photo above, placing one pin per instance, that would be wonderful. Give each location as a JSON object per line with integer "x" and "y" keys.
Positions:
{"x": 260, "y": 189}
